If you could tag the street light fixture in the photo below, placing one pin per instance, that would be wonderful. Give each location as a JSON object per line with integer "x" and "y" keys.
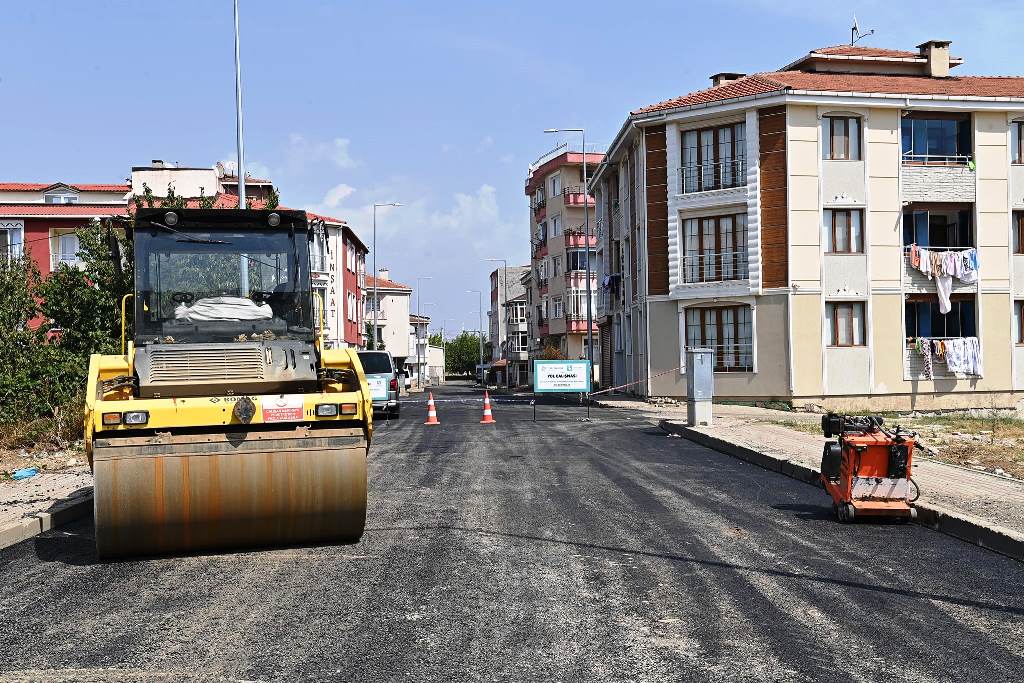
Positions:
{"x": 421, "y": 361}
{"x": 586, "y": 231}
{"x": 376, "y": 301}
{"x": 480, "y": 322}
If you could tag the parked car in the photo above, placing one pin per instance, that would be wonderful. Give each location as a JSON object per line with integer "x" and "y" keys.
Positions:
{"x": 382, "y": 377}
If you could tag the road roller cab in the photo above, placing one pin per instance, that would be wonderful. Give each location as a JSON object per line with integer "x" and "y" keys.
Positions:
{"x": 225, "y": 422}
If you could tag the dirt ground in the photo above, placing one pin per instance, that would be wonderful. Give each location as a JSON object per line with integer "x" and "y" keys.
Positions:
{"x": 993, "y": 444}
{"x": 48, "y": 460}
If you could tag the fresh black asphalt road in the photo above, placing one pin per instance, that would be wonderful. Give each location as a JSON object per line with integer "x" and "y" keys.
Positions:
{"x": 558, "y": 550}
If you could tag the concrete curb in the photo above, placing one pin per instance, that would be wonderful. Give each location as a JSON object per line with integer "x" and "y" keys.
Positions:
{"x": 60, "y": 514}
{"x": 950, "y": 522}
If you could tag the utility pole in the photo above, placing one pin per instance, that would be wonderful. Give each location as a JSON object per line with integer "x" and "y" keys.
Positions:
{"x": 480, "y": 322}
{"x": 238, "y": 119}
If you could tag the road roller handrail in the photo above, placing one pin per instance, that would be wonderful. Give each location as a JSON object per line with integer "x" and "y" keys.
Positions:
{"x": 124, "y": 322}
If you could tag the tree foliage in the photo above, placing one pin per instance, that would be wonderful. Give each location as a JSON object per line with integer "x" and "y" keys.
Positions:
{"x": 462, "y": 354}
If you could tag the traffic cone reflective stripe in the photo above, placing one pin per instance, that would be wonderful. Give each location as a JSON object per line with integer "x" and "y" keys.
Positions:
{"x": 488, "y": 418}
{"x": 431, "y": 412}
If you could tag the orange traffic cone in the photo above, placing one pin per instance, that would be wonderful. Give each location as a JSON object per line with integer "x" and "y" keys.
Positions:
{"x": 431, "y": 412}
{"x": 488, "y": 418}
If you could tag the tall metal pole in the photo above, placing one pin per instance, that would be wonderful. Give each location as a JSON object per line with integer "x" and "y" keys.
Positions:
{"x": 480, "y": 322}
{"x": 238, "y": 118}
{"x": 586, "y": 229}
{"x": 376, "y": 301}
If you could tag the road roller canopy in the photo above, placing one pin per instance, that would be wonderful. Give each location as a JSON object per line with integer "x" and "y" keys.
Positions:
{"x": 221, "y": 275}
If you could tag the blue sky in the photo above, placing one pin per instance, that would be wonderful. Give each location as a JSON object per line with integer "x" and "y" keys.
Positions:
{"x": 437, "y": 105}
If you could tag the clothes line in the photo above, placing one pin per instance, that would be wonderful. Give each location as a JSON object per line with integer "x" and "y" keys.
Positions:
{"x": 962, "y": 355}
{"x": 943, "y": 266}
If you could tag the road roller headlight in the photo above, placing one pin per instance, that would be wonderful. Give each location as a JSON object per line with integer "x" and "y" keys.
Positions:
{"x": 111, "y": 418}
{"x": 136, "y": 417}
{"x": 326, "y": 409}
{"x": 349, "y": 409}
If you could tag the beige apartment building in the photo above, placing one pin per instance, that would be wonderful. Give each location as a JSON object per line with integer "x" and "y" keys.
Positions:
{"x": 844, "y": 232}
{"x": 556, "y": 286}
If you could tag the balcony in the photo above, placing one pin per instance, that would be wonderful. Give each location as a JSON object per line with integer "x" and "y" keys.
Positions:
{"x": 318, "y": 263}
{"x": 577, "y": 322}
{"x": 702, "y": 268}
{"x": 577, "y": 279}
{"x": 539, "y": 247}
{"x": 937, "y": 178}
{"x": 542, "y": 285}
{"x": 577, "y": 237}
{"x": 576, "y": 195}
{"x": 913, "y": 363}
{"x": 717, "y": 176}
{"x": 916, "y": 281}
{"x": 539, "y": 207}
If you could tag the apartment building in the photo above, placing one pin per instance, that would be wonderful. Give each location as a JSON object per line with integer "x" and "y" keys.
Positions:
{"x": 337, "y": 260}
{"x": 507, "y": 326}
{"x": 387, "y": 303}
{"x": 844, "y": 232}
{"x": 418, "y": 360}
{"x": 559, "y": 252}
{"x": 39, "y": 219}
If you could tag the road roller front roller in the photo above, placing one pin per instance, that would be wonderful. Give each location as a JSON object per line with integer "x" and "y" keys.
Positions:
{"x": 225, "y": 422}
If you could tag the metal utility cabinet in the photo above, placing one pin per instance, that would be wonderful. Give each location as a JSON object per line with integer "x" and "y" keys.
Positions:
{"x": 700, "y": 386}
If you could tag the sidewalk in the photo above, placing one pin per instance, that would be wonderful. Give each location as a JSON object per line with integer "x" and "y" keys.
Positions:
{"x": 996, "y": 501}
{"x": 47, "y": 500}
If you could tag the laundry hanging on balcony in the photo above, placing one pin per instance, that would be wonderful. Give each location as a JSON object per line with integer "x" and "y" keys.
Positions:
{"x": 944, "y": 266}
{"x": 961, "y": 355}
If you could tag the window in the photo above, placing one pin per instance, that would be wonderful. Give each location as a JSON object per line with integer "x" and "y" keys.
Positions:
{"x": 60, "y": 198}
{"x": 557, "y": 305}
{"x": 937, "y": 229}
{"x": 845, "y": 322}
{"x": 11, "y": 238}
{"x": 556, "y": 185}
{"x": 556, "y": 266}
{"x": 844, "y": 233}
{"x": 576, "y": 259}
{"x": 577, "y": 301}
{"x": 923, "y": 318}
{"x": 1018, "y": 232}
{"x": 728, "y": 331}
{"x": 350, "y": 307}
{"x": 371, "y": 305}
{"x": 542, "y": 232}
{"x": 519, "y": 341}
{"x": 67, "y": 250}
{"x": 517, "y": 312}
{"x": 556, "y": 226}
{"x": 715, "y": 248}
{"x": 318, "y": 253}
{"x": 1017, "y": 142}
{"x": 936, "y": 139}
{"x": 1018, "y": 321}
{"x": 350, "y": 257}
{"x": 713, "y": 158}
{"x": 840, "y": 137}
{"x": 319, "y": 301}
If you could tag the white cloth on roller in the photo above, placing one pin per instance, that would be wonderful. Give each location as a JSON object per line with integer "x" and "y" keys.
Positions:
{"x": 234, "y": 308}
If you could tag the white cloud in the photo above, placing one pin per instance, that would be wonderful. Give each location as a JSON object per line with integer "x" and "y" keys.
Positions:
{"x": 337, "y": 194}
{"x": 485, "y": 143}
{"x": 302, "y": 151}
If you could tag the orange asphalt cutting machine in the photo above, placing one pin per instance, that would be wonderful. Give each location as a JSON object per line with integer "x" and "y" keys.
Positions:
{"x": 867, "y": 470}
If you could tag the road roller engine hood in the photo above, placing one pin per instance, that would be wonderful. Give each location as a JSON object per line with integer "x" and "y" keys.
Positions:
{"x": 250, "y": 367}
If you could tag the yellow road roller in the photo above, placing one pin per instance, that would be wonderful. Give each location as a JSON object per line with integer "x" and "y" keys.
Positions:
{"x": 225, "y": 422}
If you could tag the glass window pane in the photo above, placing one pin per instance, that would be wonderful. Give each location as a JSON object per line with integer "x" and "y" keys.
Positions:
{"x": 827, "y": 219}
{"x": 844, "y": 321}
{"x": 842, "y": 231}
{"x": 856, "y": 232}
{"x": 826, "y": 138}
{"x": 839, "y": 138}
{"x": 858, "y": 324}
{"x": 854, "y": 135}
{"x": 830, "y": 323}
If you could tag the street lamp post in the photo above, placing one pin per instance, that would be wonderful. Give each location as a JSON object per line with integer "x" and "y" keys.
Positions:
{"x": 376, "y": 301}
{"x": 238, "y": 118}
{"x": 480, "y": 322}
{"x": 419, "y": 313}
{"x": 586, "y": 230}
{"x": 504, "y": 351}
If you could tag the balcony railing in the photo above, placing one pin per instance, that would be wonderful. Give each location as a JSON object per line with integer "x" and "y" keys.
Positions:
{"x": 576, "y": 194}
{"x": 914, "y": 362}
{"x": 715, "y": 267}
{"x": 575, "y": 237}
{"x": 733, "y": 357}
{"x": 937, "y": 159}
{"x": 318, "y": 263}
{"x": 718, "y": 176}
{"x": 66, "y": 259}
{"x": 538, "y": 205}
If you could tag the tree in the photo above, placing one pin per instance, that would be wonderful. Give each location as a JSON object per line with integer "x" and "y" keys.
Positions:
{"x": 369, "y": 338}
{"x": 462, "y": 354}
{"x": 551, "y": 352}
{"x": 435, "y": 339}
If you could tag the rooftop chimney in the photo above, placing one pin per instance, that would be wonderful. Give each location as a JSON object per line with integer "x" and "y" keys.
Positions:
{"x": 937, "y": 54}
{"x": 383, "y": 273}
{"x": 725, "y": 77}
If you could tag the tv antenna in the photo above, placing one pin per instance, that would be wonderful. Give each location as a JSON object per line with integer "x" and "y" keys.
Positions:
{"x": 855, "y": 33}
